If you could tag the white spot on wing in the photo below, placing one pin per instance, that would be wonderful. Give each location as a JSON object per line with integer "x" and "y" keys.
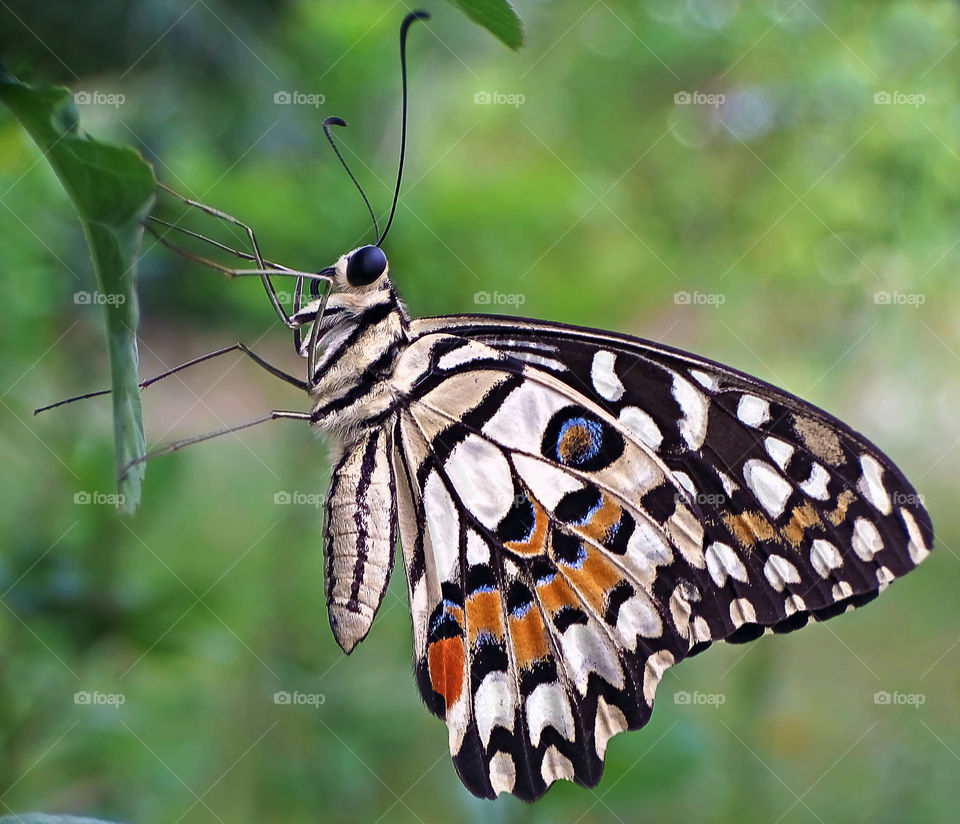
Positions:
{"x": 549, "y": 706}
{"x": 824, "y": 557}
{"x": 610, "y": 720}
{"x": 477, "y": 550}
{"x": 780, "y": 572}
{"x": 686, "y": 482}
{"x": 642, "y": 425}
{"x": 494, "y": 704}
{"x": 603, "y": 376}
{"x": 461, "y": 355}
{"x": 503, "y": 772}
{"x": 638, "y": 616}
{"x": 866, "y": 539}
{"x": 653, "y": 671}
{"x": 794, "y": 603}
{"x": 871, "y": 486}
{"x": 769, "y": 487}
{"x": 547, "y": 483}
{"x": 816, "y": 485}
{"x": 722, "y": 562}
{"x": 444, "y": 526}
{"x": 916, "y": 546}
{"x": 555, "y": 765}
{"x": 481, "y": 476}
{"x": 841, "y": 590}
{"x": 752, "y": 410}
{"x": 693, "y": 404}
{"x": 742, "y": 612}
{"x": 705, "y": 379}
{"x": 780, "y": 451}
{"x": 587, "y": 651}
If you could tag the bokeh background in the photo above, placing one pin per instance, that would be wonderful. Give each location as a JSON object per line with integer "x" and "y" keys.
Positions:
{"x": 786, "y": 220}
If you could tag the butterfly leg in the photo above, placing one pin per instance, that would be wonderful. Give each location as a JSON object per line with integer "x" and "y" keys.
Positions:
{"x": 275, "y": 415}
{"x": 237, "y": 347}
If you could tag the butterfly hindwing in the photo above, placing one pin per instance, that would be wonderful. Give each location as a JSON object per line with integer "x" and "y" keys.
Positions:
{"x": 580, "y": 511}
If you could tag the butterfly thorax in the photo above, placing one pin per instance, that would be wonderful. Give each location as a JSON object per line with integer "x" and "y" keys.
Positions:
{"x": 362, "y": 334}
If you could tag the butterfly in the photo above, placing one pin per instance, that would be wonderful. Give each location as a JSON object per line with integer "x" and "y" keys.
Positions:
{"x": 577, "y": 510}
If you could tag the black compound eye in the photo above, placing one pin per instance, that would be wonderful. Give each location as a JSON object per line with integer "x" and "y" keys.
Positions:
{"x": 366, "y": 265}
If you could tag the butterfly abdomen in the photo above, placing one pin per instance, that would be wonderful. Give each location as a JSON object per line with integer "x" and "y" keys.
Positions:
{"x": 360, "y": 537}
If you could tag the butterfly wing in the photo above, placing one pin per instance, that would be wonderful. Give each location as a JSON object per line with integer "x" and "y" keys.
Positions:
{"x": 571, "y": 529}
{"x": 773, "y": 478}
{"x": 540, "y": 628}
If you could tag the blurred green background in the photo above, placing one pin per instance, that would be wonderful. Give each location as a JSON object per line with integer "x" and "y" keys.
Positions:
{"x": 813, "y": 226}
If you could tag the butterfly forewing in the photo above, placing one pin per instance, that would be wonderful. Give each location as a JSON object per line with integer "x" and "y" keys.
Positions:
{"x": 579, "y": 511}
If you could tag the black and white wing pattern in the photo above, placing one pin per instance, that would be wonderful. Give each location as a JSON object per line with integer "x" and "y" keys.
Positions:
{"x": 580, "y": 511}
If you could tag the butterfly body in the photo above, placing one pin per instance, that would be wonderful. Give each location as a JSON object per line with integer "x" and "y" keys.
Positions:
{"x": 578, "y": 511}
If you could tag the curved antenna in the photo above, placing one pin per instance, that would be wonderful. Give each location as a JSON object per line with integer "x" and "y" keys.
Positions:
{"x": 338, "y": 121}
{"x": 404, "y": 26}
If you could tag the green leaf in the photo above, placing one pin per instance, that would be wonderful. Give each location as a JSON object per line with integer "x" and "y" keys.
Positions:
{"x": 112, "y": 189}
{"x": 497, "y": 16}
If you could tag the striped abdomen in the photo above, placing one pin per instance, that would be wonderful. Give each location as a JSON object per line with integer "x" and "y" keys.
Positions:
{"x": 360, "y": 537}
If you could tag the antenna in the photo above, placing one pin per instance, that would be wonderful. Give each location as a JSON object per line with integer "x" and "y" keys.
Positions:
{"x": 338, "y": 121}
{"x": 404, "y": 26}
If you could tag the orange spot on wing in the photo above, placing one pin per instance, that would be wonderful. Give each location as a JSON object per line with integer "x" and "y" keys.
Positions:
{"x": 749, "y": 527}
{"x": 843, "y": 502}
{"x": 484, "y": 615}
{"x": 594, "y": 579}
{"x": 446, "y": 659}
{"x": 802, "y": 517}
{"x": 557, "y": 594}
{"x": 603, "y": 520}
{"x": 537, "y": 543}
{"x": 529, "y": 638}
